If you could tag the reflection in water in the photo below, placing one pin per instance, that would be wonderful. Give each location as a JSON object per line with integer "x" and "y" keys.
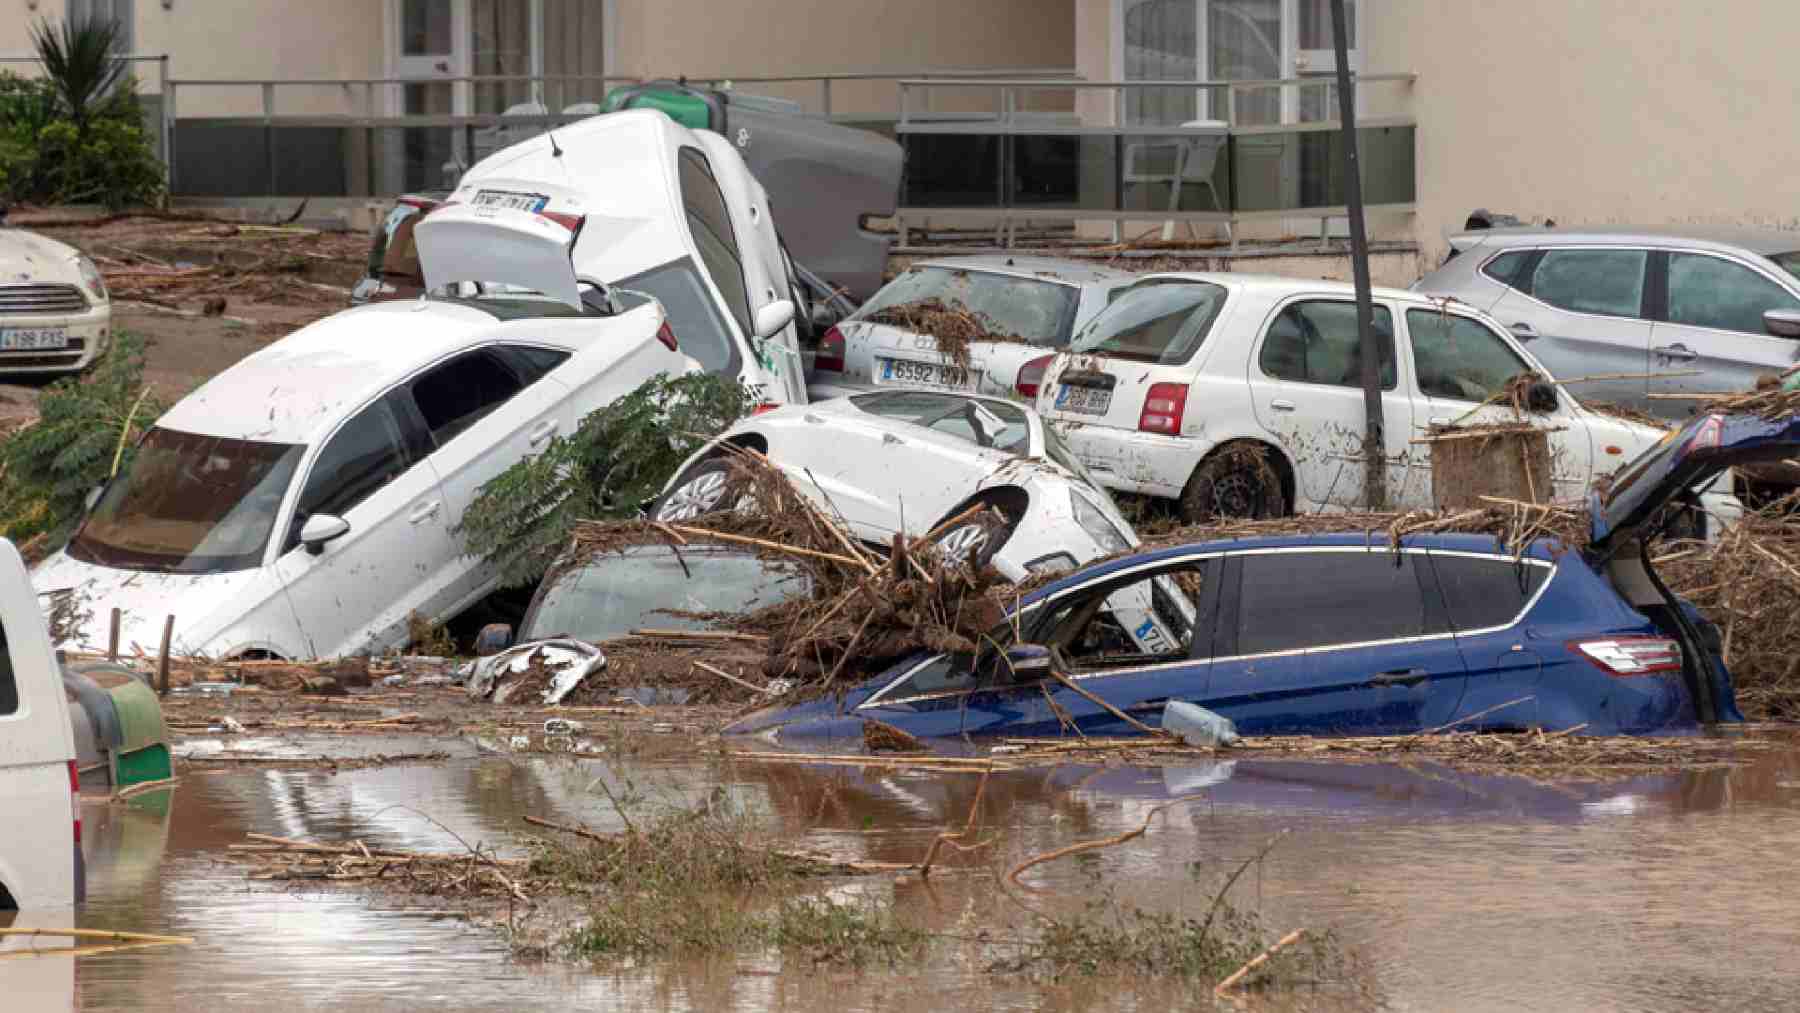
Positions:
{"x": 1462, "y": 891}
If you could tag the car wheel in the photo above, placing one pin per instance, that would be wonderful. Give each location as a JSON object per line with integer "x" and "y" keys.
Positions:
{"x": 977, "y": 537}
{"x": 1238, "y": 482}
{"x": 703, "y": 489}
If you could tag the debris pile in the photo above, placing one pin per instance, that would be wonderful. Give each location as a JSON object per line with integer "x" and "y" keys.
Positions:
{"x": 954, "y": 325}
{"x": 1748, "y": 583}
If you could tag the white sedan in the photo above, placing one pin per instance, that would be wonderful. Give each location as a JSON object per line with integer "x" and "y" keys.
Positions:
{"x": 304, "y": 502}
{"x": 55, "y": 314}
{"x": 909, "y": 461}
{"x": 1182, "y": 370}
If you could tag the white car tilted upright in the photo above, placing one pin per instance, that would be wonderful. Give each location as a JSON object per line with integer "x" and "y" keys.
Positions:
{"x": 304, "y": 502}
{"x": 1182, "y": 368}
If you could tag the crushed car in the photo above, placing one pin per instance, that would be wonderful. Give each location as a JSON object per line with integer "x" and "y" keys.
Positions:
{"x": 962, "y": 323}
{"x": 303, "y": 503}
{"x": 55, "y": 312}
{"x": 1344, "y": 634}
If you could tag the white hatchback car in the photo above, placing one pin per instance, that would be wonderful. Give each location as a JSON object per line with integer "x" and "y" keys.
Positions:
{"x": 1182, "y": 368}
{"x": 55, "y": 313}
{"x": 1044, "y": 301}
{"x": 909, "y": 461}
{"x": 305, "y": 501}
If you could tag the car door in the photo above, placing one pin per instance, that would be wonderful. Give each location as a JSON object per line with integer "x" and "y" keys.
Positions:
{"x": 354, "y": 595}
{"x": 482, "y": 415}
{"x": 1305, "y": 376}
{"x": 1339, "y": 641}
{"x": 1710, "y": 326}
{"x": 1458, "y": 363}
{"x": 1583, "y": 312}
{"x": 1485, "y": 596}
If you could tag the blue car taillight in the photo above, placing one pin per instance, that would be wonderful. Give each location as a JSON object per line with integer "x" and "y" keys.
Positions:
{"x": 1628, "y": 656}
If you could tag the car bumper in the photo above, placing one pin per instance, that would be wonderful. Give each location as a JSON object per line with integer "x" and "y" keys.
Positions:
{"x": 89, "y": 334}
{"x": 1148, "y": 464}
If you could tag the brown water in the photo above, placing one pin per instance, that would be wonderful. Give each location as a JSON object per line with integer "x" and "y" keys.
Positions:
{"x": 1659, "y": 892}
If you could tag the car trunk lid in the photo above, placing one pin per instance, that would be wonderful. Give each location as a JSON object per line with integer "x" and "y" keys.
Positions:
{"x": 503, "y": 238}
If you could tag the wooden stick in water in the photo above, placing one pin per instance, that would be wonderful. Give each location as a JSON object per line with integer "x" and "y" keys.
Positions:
{"x": 1236, "y": 976}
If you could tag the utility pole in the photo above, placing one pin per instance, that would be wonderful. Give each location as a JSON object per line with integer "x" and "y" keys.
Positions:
{"x": 1374, "y": 456}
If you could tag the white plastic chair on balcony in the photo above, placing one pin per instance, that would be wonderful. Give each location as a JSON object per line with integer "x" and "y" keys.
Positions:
{"x": 1195, "y": 159}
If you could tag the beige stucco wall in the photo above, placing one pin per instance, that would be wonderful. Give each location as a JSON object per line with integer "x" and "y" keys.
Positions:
{"x": 1598, "y": 111}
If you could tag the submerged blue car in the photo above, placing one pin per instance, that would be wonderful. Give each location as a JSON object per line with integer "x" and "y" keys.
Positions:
{"x": 1336, "y": 635}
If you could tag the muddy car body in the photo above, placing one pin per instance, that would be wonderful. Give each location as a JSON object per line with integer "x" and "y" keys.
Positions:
{"x": 1336, "y": 635}
{"x": 303, "y": 502}
{"x": 55, "y": 312}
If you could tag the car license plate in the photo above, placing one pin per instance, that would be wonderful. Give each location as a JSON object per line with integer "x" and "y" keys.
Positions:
{"x": 20, "y": 339}
{"x": 1085, "y": 400}
{"x": 924, "y": 374}
{"x": 510, "y": 200}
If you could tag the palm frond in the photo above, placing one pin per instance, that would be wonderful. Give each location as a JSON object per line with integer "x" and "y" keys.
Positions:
{"x": 79, "y": 58}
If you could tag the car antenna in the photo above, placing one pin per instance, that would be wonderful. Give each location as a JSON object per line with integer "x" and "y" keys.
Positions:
{"x": 555, "y": 151}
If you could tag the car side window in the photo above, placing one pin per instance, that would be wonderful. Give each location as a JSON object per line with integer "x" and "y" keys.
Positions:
{"x": 455, "y": 395}
{"x": 365, "y": 454}
{"x": 1459, "y": 358}
{"x": 1290, "y": 601}
{"x": 1149, "y": 621}
{"x": 710, "y": 223}
{"x": 1714, "y": 292}
{"x": 1316, "y": 341}
{"x": 531, "y": 362}
{"x": 1486, "y": 592}
{"x": 1607, "y": 282}
{"x": 9, "y": 687}
{"x": 1506, "y": 267}
{"x": 946, "y": 673}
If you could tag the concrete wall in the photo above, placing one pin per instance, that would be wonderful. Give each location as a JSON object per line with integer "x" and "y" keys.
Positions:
{"x": 1598, "y": 111}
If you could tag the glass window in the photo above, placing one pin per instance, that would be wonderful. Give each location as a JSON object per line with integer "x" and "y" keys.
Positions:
{"x": 531, "y": 362}
{"x": 1505, "y": 268}
{"x": 424, "y": 27}
{"x": 1243, "y": 40}
{"x": 395, "y": 254}
{"x": 9, "y": 687}
{"x": 1294, "y": 600}
{"x": 1714, "y": 292}
{"x": 456, "y": 395}
{"x": 1148, "y": 621}
{"x": 653, "y": 586}
{"x": 1161, "y": 44}
{"x": 1163, "y": 322}
{"x": 946, "y": 673}
{"x": 1609, "y": 282}
{"x": 189, "y": 503}
{"x": 1484, "y": 593}
{"x": 361, "y": 457}
{"x": 1317, "y": 342}
{"x": 700, "y": 330}
{"x": 574, "y": 52}
{"x": 118, "y": 11}
{"x": 500, "y": 46}
{"x": 985, "y": 423}
{"x": 1034, "y": 311}
{"x": 1459, "y": 358}
{"x": 710, "y": 224}
{"x": 1789, "y": 262}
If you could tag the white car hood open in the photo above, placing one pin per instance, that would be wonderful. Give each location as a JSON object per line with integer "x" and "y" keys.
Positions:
{"x": 496, "y": 245}
{"x": 145, "y": 600}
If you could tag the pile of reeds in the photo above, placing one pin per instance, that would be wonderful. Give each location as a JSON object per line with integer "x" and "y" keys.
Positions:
{"x": 1748, "y": 583}
{"x": 1513, "y": 525}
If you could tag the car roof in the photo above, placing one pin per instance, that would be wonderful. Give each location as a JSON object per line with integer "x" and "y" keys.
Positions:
{"x": 1274, "y": 284}
{"x": 1073, "y": 272}
{"x": 1766, "y": 242}
{"x": 294, "y": 389}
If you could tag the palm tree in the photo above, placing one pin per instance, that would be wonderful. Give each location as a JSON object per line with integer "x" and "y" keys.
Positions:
{"x": 78, "y": 58}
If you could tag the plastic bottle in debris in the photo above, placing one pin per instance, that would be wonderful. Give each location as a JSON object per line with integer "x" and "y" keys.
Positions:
{"x": 1198, "y": 726}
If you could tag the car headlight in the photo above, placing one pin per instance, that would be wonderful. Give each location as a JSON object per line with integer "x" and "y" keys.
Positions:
{"x": 90, "y": 277}
{"x": 1096, "y": 525}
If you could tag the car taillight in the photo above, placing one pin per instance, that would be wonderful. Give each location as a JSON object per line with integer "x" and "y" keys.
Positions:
{"x": 1163, "y": 408}
{"x": 75, "y": 797}
{"x": 1625, "y": 656}
{"x": 1706, "y": 437}
{"x": 766, "y": 406}
{"x": 566, "y": 220}
{"x": 1031, "y": 376}
{"x": 666, "y": 335}
{"x": 831, "y": 351}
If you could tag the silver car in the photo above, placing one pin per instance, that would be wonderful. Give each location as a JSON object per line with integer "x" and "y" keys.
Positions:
{"x": 1040, "y": 301}
{"x": 1702, "y": 310}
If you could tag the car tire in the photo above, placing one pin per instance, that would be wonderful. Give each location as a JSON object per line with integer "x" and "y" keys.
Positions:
{"x": 1233, "y": 482}
{"x": 705, "y": 488}
{"x": 983, "y": 534}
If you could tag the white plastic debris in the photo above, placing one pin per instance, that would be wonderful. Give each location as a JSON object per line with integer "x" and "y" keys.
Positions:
{"x": 570, "y": 661}
{"x": 1005, "y": 750}
{"x": 1198, "y": 726}
{"x": 232, "y": 725}
{"x": 394, "y": 680}
{"x": 519, "y": 742}
{"x": 562, "y": 726}
{"x": 779, "y": 687}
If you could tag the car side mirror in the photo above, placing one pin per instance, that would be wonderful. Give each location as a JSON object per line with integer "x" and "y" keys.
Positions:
{"x": 1028, "y": 662}
{"x": 493, "y": 638}
{"x": 823, "y": 316}
{"x": 1541, "y": 397}
{"x": 322, "y": 528}
{"x": 1782, "y": 323}
{"x": 773, "y": 317}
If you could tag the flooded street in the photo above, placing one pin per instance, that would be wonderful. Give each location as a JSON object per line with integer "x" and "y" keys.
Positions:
{"x": 1455, "y": 890}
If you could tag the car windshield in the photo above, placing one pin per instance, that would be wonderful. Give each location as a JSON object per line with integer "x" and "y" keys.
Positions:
{"x": 1032, "y": 310}
{"x": 1789, "y": 262}
{"x": 189, "y": 504}
{"x": 1161, "y": 322}
{"x": 700, "y": 330}
{"x": 983, "y": 422}
{"x": 614, "y": 595}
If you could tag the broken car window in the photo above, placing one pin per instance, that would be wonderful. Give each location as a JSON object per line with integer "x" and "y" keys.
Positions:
{"x": 699, "y": 329}
{"x": 1459, "y": 358}
{"x": 361, "y": 457}
{"x": 459, "y": 393}
{"x": 710, "y": 224}
{"x": 189, "y": 503}
{"x": 1004, "y": 427}
{"x": 1149, "y": 621}
{"x": 1155, "y": 322}
{"x": 1713, "y": 292}
{"x": 652, "y": 586}
{"x": 1609, "y": 282}
{"x": 1034, "y": 311}
{"x": 1317, "y": 342}
{"x": 1291, "y": 601}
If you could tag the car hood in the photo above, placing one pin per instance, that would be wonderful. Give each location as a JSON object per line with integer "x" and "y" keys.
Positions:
{"x": 28, "y": 257}
{"x": 1683, "y": 459}
{"x": 204, "y": 605}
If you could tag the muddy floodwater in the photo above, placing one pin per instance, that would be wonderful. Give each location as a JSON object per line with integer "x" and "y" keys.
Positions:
{"x": 1666, "y": 891}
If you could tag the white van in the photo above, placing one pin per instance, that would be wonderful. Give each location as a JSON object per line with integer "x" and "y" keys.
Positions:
{"x": 40, "y": 840}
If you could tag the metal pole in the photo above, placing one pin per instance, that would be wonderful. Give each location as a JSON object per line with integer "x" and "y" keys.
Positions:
{"x": 1374, "y": 444}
